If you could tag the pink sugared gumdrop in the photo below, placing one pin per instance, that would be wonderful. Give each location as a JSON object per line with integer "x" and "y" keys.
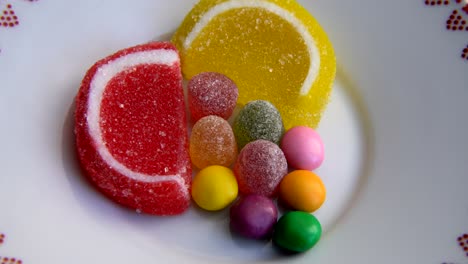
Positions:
{"x": 211, "y": 93}
{"x": 260, "y": 167}
{"x": 303, "y": 148}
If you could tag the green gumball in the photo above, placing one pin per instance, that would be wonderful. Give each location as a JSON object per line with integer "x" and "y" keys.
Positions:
{"x": 297, "y": 231}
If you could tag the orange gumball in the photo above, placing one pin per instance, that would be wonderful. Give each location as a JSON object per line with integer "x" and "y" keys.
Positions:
{"x": 303, "y": 190}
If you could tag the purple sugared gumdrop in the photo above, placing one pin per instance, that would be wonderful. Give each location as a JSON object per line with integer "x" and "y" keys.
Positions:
{"x": 253, "y": 216}
{"x": 211, "y": 93}
{"x": 260, "y": 167}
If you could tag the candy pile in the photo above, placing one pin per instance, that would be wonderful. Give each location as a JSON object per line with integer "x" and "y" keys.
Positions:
{"x": 260, "y": 171}
{"x": 131, "y": 126}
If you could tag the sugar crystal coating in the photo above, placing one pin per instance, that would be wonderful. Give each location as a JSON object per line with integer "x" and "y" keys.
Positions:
{"x": 260, "y": 167}
{"x": 258, "y": 120}
{"x": 211, "y": 93}
{"x": 212, "y": 142}
{"x": 131, "y": 130}
{"x": 272, "y": 49}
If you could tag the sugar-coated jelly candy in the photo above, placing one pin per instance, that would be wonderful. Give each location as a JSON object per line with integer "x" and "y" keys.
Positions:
{"x": 212, "y": 142}
{"x": 273, "y": 50}
{"x": 297, "y": 231}
{"x": 303, "y": 148}
{"x": 214, "y": 188}
{"x": 258, "y": 120}
{"x": 302, "y": 190}
{"x": 131, "y": 132}
{"x": 211, "y": 93}
{"x": 253, "y": 216}
{"x": 260, "y": 167}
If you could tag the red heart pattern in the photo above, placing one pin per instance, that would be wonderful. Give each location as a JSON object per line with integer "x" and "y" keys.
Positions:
{"x": 434, "y": 2}
{"x": 458, "y": 19}
{"x": 8, "y": 17}
{"x": 465, "y": 53}
{"x": 8, "y": 260}
{"x": 457, "y": 22}
{"x": 463, "y": 239}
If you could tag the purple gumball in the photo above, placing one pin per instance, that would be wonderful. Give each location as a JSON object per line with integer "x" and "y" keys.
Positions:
{"x": 253, "y": 216}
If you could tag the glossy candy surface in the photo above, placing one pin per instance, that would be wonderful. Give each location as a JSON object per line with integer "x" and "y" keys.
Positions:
{"x": 297, "y": 231}
{"x": 214, "y": 188}
{"x": 253, "y": 216}
{"x": 303, "y": 148}
{"x": 302, "y": 190}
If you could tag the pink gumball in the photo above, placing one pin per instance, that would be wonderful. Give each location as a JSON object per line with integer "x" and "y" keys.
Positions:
{"x": 303, "y": 148}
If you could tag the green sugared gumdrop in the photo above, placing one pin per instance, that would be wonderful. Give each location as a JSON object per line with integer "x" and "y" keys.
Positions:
{"x": 258, "y": 120}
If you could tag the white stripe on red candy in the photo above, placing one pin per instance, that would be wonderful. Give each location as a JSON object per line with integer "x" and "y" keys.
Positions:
{"x": 99, "y": 83}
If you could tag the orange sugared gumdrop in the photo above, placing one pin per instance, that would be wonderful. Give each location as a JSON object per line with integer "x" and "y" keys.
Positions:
{"x": 212, "y": 142}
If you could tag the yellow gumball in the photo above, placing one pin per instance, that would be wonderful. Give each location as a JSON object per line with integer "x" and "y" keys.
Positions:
{"x": 214, "y": 188}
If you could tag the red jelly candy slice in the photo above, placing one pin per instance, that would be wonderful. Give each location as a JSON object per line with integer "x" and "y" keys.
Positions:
{"x": 131, "y": 132}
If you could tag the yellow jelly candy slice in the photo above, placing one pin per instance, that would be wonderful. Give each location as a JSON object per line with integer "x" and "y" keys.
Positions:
{"x": 273, "y": 50}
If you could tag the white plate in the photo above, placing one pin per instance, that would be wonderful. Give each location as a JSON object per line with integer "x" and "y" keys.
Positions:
{"x": 395, "y": 135}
